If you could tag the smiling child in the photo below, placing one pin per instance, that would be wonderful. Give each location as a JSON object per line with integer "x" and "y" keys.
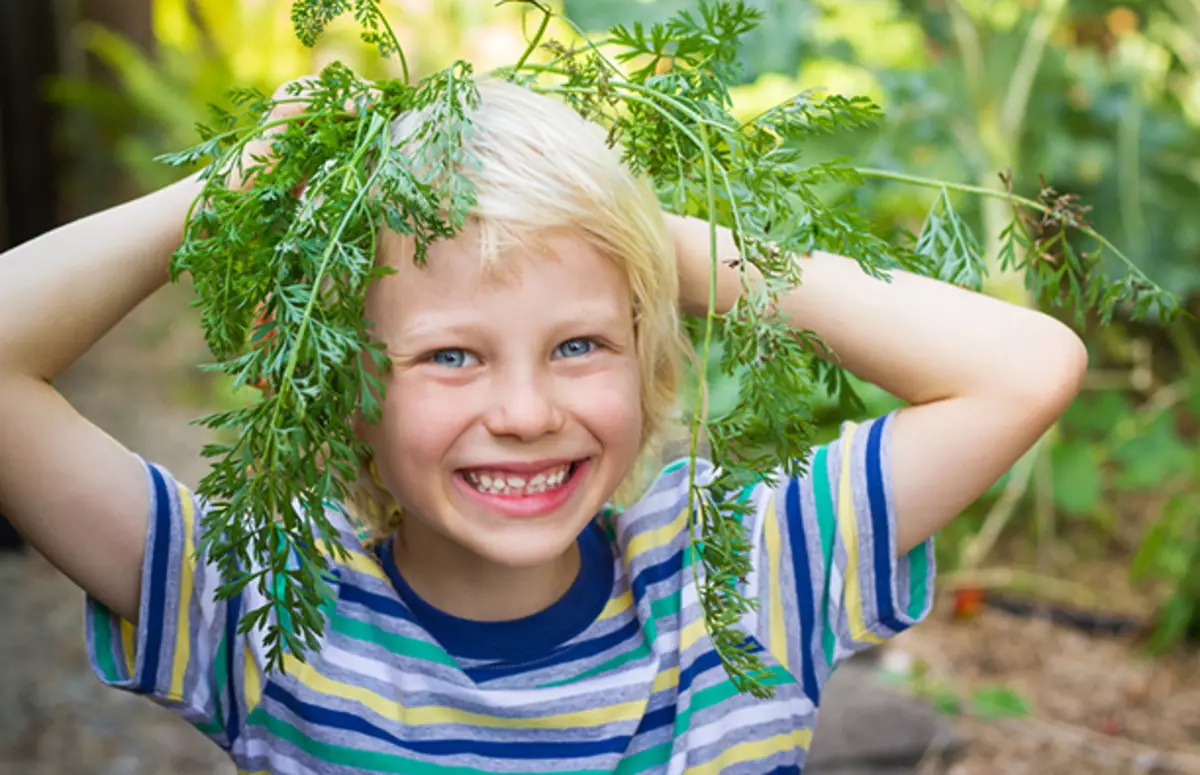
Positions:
{"x": 497, "y": 613}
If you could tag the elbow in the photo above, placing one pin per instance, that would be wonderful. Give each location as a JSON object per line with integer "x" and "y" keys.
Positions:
{"x": 1057, "y": 373}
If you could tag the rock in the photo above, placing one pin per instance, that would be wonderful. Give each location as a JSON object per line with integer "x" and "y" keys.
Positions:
{"x": 868, "y": 728}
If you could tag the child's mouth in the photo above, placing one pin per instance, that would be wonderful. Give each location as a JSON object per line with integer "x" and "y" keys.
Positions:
{"x": 513, "y": 485}
{"x": 522, "y": 494}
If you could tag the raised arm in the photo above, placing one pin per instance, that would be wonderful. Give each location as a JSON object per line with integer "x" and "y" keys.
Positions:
{"x": 77, "y": 495}
{"x": 984, "y": 378}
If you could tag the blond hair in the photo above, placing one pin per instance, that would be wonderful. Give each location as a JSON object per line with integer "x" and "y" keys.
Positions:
{"x": 537, "y": 165}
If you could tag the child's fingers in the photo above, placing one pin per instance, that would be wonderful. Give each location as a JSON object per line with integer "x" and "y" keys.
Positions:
{"x": 290, "y": 99}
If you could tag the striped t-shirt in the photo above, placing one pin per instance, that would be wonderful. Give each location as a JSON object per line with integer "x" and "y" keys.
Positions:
{"x": 617, "y": 676}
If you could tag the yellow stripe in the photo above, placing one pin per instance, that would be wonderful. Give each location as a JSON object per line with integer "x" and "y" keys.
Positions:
{"x": 644, "y": 542}
{"x": 691, "y": 633}
{"x": 778, "y": 631}
{"x": 848, "y": 524}
{"x": 617, "y": 605}
{"x": 665, "y": 680}
{"x": 436, "y": 714}
{"x": 183, "y": 648}
{"x": 357, "y": 560}
{"x": 128, "y": 646}
{"x": 251, "y": 680}
{"x": 754, "y": 750}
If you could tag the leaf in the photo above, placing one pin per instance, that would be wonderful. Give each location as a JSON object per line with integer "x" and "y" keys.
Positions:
{"x": 997, "y": 702}
{"x": 1077, "y": 483}
{"x": 1155, "y": 456}
{"x": 950, "y": 247}
{"x": 1094, "y": 414}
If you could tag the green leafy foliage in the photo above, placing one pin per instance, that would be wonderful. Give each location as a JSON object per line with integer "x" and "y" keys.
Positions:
{"x": 997, "y": 702}
{"x": 311, "y": 17}
{"x": 1077, "y": 478}
{"x": 299, "y": 245}
{"x": 1112, "y": 447}
{"x": 949, "y": 245}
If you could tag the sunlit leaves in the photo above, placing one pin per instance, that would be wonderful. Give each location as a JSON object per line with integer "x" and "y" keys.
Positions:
{"x": 295, "y": 253}
{"x": 947, "y": 242}
{"x": 311, "y": 17}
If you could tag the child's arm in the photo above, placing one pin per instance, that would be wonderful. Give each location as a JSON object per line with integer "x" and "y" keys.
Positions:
{"x": 985, "y": 379}
{"x": 77, "y": 495}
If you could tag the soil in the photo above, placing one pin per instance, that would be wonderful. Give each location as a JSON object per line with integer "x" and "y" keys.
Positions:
{"x": 1095, "y": 704}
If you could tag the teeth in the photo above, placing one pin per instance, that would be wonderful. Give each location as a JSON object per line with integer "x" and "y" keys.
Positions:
{"x": 498, "y": 483}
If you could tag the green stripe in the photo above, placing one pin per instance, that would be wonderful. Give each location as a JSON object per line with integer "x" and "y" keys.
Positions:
{"x": 827, "y": 523}
{"x": 397, "y": 644}
{"x": 641, "y": 651}
{"x": 102, "y": 644}
{"x": 666, "y": 606}
{"x": 369, "y": 760}
{"x": 718, "y": 693}
{"x": 649, "y": 759}
{"x": 210, "y": 728}
{"x": 678, "y": 464}
{"x": 918, "y": 582}
{"x": 220, "y": 678}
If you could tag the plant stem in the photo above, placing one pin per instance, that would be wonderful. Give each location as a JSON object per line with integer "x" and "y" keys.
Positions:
{"x": 537, "y": 36}
{"x": 967, "y": 37}
{"x": 1012, "y": 113}
{"x": 395, "y": 42}
{"x": 294, "y": 357}
{"x": 709, "y": 319}
{"x": 991, "y": 193}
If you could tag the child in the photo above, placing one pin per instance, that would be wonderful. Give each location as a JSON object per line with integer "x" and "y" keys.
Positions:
{"x": 507, "y": 620}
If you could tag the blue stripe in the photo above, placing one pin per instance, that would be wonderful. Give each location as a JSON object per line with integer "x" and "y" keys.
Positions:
{"x": 656, "y": 573}
{"x": 378, "y": 603}
{"x": 550, "y": 749}
{"x": 787, "y": 769}
{"x": 798, "y": 544}
{"x": 152, "y": 619}
{"x": 710, "y": 660}
{"x": 233, "y": 610}
{"x": 630, "y": 631}
{"x": 881, "y": 530}
{"x": 657, "y": 719}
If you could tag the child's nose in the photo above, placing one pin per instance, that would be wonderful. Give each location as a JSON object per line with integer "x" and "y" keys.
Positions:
{"x": 524, "y": 407}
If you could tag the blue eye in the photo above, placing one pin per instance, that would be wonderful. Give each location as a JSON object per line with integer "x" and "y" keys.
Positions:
{"x": 573, "y": 348}
{"x": 454, "y": 358}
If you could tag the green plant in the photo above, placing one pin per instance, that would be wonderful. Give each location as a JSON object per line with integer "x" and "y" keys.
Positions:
{"x": 1115, "y": 446}
{"x": 662, "y": 91}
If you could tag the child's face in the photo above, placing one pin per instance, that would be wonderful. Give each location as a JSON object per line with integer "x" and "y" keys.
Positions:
{"x": 513, "y": 406}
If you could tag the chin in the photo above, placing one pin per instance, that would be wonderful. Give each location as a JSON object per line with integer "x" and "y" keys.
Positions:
{"x": 522, "y": 550}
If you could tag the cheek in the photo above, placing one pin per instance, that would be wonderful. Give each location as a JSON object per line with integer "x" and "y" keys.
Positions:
{"x": 420, "y": 423}
{"x": 611, "y": 404}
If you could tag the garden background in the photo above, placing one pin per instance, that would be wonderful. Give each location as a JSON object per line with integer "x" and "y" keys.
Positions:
{"x": 1065, "y": 635}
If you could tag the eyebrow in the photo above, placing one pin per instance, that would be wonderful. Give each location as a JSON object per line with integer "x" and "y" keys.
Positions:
{"x": 438, "y": 324}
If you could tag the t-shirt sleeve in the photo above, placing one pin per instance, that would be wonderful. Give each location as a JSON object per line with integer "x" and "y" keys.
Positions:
{"x": 185, "y": 652}
{"x": 827, "y": 570}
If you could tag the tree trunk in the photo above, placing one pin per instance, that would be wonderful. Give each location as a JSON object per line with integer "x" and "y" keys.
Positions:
{"x": 30, "y": 169}
{"x": 28, "y": 164}
{"x": 131, "y": 19}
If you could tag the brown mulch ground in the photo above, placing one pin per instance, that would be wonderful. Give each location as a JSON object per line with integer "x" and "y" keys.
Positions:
{"x": 1097, "y": 704}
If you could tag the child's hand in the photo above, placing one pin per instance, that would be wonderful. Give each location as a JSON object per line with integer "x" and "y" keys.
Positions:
{"x": 262, "y": 147}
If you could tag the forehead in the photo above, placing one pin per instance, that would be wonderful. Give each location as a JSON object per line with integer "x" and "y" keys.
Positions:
{"x": 563, "y": 276}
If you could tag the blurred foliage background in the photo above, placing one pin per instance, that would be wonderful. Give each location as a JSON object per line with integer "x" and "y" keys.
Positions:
{"x": 1097, "y": 98}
